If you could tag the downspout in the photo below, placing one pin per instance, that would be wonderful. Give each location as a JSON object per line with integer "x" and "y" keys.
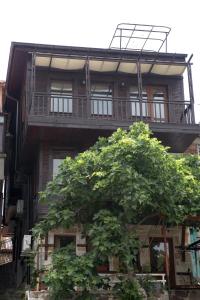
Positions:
{"x": 16, "y": 130}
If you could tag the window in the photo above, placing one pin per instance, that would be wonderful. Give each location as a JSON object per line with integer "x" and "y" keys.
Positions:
{"x": 64, "y": 240}
{"x": 57, "y": 157}
{"x": 101, "y": 99}
{"x": 61, "y": 97}
{"x": 56, "y": 164}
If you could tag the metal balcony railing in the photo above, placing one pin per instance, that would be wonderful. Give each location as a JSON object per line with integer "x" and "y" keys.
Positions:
{"x": 6, "y": 250}
{"x": 116, "y": 109}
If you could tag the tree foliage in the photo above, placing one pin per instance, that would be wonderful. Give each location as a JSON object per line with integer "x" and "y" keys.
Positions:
{"x": 122, "y": 180}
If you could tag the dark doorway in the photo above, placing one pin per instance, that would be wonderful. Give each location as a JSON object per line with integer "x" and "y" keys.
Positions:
{"x": 161, "y": 255}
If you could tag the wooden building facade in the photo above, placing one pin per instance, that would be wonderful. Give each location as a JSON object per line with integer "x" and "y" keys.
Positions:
{"x": 61, "y": 99}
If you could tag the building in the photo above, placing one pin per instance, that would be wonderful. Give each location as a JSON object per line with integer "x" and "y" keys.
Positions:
{"x": 5, "y": 240}
{"x": 60, "y": 99}
{"x": 2, "y": 131}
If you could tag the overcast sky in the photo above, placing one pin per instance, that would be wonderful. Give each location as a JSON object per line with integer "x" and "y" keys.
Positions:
{"x": 92, "y": 23}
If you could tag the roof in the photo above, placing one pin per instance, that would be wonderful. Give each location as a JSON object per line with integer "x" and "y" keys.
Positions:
{"x": 100, "y": 60}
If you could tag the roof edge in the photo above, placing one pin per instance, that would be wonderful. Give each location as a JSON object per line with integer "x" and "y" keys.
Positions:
{"x": 50, "y": 47}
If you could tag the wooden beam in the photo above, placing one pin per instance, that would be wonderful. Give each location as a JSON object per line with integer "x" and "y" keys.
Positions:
{"x": 46, "y": 247}
{"x": 183, "y": 241}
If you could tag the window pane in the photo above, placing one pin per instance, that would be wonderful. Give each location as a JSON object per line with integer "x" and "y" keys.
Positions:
{"x": 101, "y": 99}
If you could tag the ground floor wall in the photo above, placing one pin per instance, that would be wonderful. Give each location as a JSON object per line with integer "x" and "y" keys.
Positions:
{"x": 180, "y": 262}
{"x": 174, "y": 295}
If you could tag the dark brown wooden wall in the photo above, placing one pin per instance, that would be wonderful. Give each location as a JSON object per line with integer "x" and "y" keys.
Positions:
{"x": 174, "y": 85}
{"x": 47, "y": 153}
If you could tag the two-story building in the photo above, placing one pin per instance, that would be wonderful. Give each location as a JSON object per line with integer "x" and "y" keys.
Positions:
{"x": 2, "y": 134}
{"x": 60, "y": 99}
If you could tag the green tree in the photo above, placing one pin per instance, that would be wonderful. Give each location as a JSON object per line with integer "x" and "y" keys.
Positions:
{"x": 121, "y": 181}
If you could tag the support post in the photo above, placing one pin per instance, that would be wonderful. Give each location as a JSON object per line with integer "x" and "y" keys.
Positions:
{"x": 183, "y": 242}
{"x": 139, "y": 76}
{"x": 88, "y": 86}
{"x": 46, "y": 247}
{"x": 166, "y": 254}
{"x": 31, "y": 82}
{"x": 191, "y": 91}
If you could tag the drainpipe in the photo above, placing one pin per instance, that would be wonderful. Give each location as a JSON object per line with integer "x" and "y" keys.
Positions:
{"x": 16, "y": 130}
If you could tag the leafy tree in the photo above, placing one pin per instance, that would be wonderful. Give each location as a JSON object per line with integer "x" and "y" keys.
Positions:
{"x": 121, "y": 181}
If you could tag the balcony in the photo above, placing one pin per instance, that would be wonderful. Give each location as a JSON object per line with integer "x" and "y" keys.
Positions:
{"x": 87, "y": 118}
{"x": 80, "y": 110}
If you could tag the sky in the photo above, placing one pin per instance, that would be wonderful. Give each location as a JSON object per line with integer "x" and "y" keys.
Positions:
{"x": 92, "y": 23}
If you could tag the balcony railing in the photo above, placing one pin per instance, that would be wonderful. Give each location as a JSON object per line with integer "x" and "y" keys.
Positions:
{"x": 153, "y": 277}
{"x": 6, "y": 251}
{"x": 116, "y": 109}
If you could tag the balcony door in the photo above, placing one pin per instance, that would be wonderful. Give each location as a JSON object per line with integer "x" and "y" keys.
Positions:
{"x": 161, "y": 255}
{"x": 153, "y": 105}
{"x": 158, "y": 100}
{"x": 101, "y": 99}
{"x": 61, "y": 97}
{"x": 139, "y": 109}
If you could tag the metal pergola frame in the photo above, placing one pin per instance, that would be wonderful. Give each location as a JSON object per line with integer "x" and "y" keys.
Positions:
{"x": 126, "y": 33}
{"x": 195, "y": 246}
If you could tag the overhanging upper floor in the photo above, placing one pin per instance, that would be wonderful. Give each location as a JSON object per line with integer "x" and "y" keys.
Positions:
{"x": 68, "y": 88}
